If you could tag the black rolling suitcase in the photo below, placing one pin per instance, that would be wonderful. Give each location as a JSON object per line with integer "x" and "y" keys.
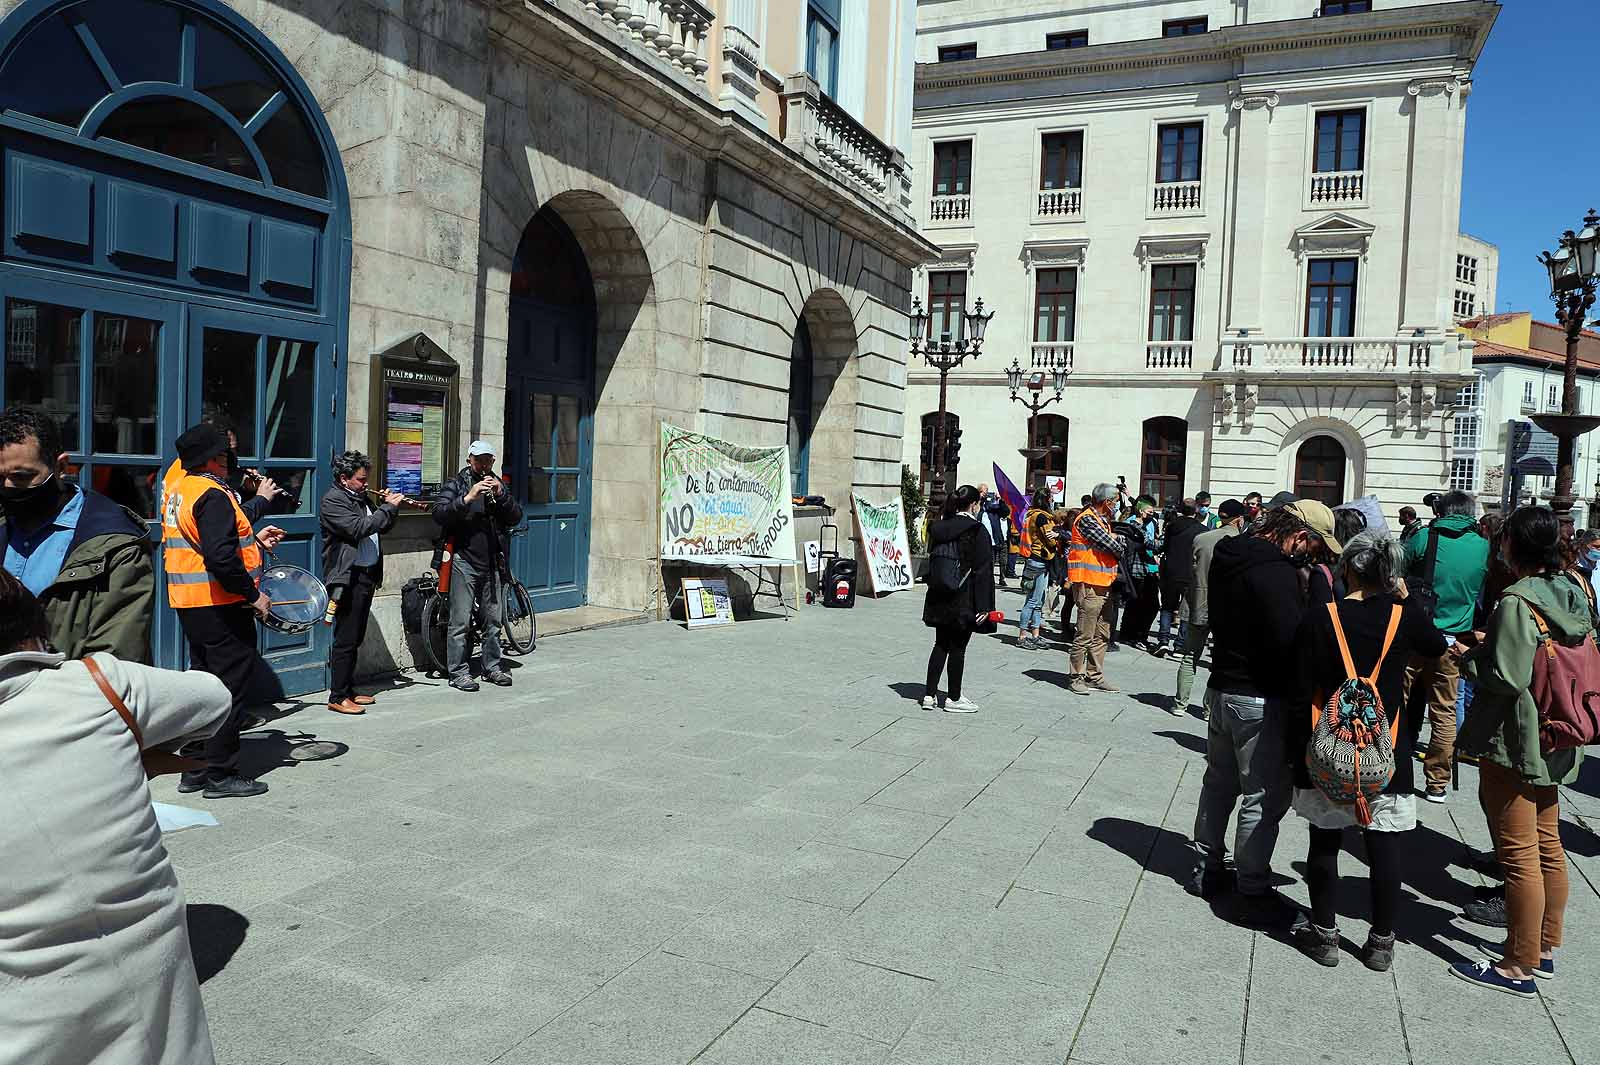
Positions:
{"x": 839, "y": 583}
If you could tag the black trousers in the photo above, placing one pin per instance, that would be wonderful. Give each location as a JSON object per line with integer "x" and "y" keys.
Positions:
{"x": 222, "y": 642}
{"x": 349, "y": 629}
{"x": 1138, "y": 615}
{"x": 1384, "y": 850}
{"x": 949, "y": 653}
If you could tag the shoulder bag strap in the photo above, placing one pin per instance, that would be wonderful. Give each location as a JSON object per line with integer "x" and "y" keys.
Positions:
{"x": 1539, "y": 622}
{"x": 115, "y": 700}
{"x": 1344, "y": 646}
{"x": 1430, "y": 558}
{"x": 1388, "y": 642}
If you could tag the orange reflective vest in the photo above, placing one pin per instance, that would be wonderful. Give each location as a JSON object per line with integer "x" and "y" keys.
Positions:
{"x": 174, "y": 474}
{"x": 189, "y": 584}
{"x": 1086, "y": 563}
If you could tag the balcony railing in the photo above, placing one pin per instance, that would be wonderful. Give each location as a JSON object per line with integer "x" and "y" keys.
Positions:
{"x": 1169, "y": 355}
{"x": 674, "y": 29}
{"x": 1173, "y": 197}
{"x": 1060, "y": 204}
{"x": 819, "y": 128}
{"x": 1048, "y": 354}
{"x": 1341, "y": 186}
{"x": 950, "y": 209}
{"x": 1335, "y": 355}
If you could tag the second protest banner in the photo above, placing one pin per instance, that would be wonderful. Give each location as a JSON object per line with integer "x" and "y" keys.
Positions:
{"x": 883, "y": 537}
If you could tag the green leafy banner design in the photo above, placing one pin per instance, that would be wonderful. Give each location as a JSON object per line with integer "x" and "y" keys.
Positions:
{"x": 724, "y": 501}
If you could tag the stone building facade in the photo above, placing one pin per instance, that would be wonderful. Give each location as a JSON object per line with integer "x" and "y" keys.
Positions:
{"x": 609, "y": 215}
{"x": 1236, "y": 225}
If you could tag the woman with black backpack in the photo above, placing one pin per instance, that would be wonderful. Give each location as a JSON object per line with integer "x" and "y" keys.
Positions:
{"x": 960, "y": 595}
{"x": 1351, "y": 648}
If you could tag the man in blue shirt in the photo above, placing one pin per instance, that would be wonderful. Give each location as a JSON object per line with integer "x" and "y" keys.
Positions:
{"x": 84, "y": 557}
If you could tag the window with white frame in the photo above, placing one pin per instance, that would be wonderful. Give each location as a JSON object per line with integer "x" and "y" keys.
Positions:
{"x": 1467, "y": 269}
{"x": 1552, "y": 397}
{"x": 1464, "y": 474}
{"x": 1466, "y": 432}
{"x": 1466, "y": 304}
{"x": 1528, "y": 395}
{"x": 1470, "y": 396}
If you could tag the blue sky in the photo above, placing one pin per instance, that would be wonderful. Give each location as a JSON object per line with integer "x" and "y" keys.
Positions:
{"x": 1533, "y": 146}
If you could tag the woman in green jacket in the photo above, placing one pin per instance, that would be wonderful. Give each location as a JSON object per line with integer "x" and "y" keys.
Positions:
{"x": 1518, "y": 781}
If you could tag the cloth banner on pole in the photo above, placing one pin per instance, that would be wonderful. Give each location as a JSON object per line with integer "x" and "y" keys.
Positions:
{"x": 724, "y": 503}
{"x": 883, "y": 536}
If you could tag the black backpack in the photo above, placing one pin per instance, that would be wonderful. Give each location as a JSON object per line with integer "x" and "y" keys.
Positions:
{"x": 944, "y": 567}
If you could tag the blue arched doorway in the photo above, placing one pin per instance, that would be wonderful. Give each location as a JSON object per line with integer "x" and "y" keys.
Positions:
{"x": 176, "y": 246}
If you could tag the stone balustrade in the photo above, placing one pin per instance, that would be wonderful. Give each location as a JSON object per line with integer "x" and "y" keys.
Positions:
{"x": 1336, "y": 187}
{"x": 1169, "y": 355}
{"x": 675, "y": 29}
{"x": 1048, "y": 354}
{"x": 1172, "y": 197}
{"x": 825, "y": 132}
{"x": 1059, "y": 204}
{"x": 1338, "y": 355}
{"x": 950, "y": 209}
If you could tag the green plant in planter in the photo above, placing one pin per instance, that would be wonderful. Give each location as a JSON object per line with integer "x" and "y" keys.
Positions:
{"x": 915, "y": 504}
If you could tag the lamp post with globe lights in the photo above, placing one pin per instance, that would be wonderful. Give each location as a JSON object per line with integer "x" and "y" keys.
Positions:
{"x": 944, "y": 355}
{"x": 1032, "y": 381}
{"x": 1572, "y": 288}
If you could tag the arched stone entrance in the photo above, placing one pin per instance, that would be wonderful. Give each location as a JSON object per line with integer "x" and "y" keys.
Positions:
{"x": 831, "y": 451}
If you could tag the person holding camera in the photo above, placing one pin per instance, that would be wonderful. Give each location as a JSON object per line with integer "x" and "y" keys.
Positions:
{"x": 476, "y": 513}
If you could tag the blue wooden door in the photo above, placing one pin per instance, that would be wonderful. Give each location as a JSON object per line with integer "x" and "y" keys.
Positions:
{"x": 550, "y": 449}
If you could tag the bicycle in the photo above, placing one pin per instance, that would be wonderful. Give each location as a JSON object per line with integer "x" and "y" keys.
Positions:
{"x": 519, "y": 622}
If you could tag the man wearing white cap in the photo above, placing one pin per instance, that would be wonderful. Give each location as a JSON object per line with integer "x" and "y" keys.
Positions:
{"x": 475, "y": 512}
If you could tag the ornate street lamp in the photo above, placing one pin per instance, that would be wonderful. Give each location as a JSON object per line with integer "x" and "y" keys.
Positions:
{"x": 1572, "y": 288}
{"x": 944, "y": 355}
{"x": 1032, "y": 381}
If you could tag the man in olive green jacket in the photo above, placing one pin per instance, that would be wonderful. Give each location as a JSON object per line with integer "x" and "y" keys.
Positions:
{"x": 84, "y": 557}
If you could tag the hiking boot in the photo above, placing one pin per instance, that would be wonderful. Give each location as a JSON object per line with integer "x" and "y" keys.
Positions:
{"x": 1103, "y": 685}
{"x": 1497, "y": 951}
{"x": 234, "y": 786}
{"x": 1077, "y": 686}
{"x": 1490, "y": 911}
{"x": 1378, "y": 954}
{"x": 1484, "y": 974}
{"x": 1319, "y": 944}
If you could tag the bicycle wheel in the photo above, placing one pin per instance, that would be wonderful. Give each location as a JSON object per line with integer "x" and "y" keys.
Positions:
{"x": 435, "y": 633}
{"x": 519, "y": 625}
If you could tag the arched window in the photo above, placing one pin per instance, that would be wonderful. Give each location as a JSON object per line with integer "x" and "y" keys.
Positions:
{"x": 1048, "y": 431}
{"x": 1162, "y": 457}
{"x": 951, "y": 447}
{"x": 170, "y": 81}
{"x": 801, "y": 416}
{"x": 1319, "y": 470}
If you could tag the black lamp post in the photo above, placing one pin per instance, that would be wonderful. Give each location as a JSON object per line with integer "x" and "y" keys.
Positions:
{"x": 1572, "y": 288}
{"x": 944, "y": 355}
{"x": 1033, "y": 382}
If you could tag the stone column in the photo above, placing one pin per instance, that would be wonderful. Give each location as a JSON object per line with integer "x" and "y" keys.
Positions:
{"x": 1434, "y": 209}
{"x": 1252, "y": 113}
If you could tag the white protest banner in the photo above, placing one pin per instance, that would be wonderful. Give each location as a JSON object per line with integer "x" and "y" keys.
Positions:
{"x": 724, "y": 503}
{"x": 883, "y": 536}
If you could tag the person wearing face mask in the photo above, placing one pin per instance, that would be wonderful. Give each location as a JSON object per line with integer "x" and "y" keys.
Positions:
{"x": 257, "y": 493}
{"x": 352, "y": 568}
{"x": 955, "y": 615}
{"x": 1257, "y": 602}
{"x": 1204, "y": 514}
{"x": 85, "y": 558}
{"x": 474, "y": 511}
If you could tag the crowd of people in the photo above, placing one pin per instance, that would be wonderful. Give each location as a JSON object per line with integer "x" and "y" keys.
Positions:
{"x": 87, "y": 718}
{"x": 1332, "y": 641}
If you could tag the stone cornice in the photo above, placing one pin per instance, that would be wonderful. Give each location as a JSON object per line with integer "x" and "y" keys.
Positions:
{"x": 561, "y": 35}
{"x": 1467, "y": 23}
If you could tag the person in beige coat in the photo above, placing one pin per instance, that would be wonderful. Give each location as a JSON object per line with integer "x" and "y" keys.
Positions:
{"x": 95, "y": 967}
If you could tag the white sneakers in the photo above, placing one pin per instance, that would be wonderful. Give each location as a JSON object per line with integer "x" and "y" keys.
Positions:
{"x": 930, "y": 702}
{"x": 960, "y": 706}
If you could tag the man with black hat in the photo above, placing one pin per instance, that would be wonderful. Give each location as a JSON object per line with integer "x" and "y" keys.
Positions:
{"x": 213, "y": 559}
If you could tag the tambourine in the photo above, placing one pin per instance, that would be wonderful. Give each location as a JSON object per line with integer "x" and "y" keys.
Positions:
{"x": 298, "y": 599}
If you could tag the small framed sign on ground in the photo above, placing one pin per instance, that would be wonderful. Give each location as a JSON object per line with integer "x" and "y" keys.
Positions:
{"x": 707, "y": 602}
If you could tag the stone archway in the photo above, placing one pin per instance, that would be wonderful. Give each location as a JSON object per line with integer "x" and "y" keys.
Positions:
{"x": 835, "y": 392}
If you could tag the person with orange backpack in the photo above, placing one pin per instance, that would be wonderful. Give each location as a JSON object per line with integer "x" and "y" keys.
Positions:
{"x": 1352, "y": 752}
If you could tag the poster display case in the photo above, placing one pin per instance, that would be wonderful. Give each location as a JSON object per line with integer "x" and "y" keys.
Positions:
{"x": 414, "y": 405}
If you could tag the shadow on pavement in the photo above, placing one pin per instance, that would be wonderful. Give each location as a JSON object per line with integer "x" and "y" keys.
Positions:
{"x": 908, "y": 690}
{"x": 1054, "y": 676}
{"x": 1187, "y": 740}
{"x": 215, "y": 935}
{"x": 264, "y": 750}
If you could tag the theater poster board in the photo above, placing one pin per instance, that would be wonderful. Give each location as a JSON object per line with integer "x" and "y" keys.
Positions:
{"x": 413, "y": 412}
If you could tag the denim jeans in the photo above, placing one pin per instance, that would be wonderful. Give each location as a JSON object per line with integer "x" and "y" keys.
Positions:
{"x": 1245, "y": 763}
{"x": 465, "y": 584}
{"x": 1194, "y": 641}
{"x": 1165, "y": 636}
{"x": 1035, "y": 581}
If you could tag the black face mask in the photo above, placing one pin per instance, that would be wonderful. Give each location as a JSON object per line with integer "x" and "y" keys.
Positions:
{"x": 34, "y": 504}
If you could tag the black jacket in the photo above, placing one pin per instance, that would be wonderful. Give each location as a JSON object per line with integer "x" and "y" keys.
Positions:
{"x": 457, "y": 519}
{"x": 219, "y": 542}
{"x": 1130, "y": 567}
{"x": 1177, "y": 566}
{"x": 347, "y": 520}
{"x": 995, "y": 515}
{"x": 976, "y": 594}
{"x": 1256, "y": 605}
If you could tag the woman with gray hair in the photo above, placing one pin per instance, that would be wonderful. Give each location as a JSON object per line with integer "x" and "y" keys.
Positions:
{"x": 1375, "y": 601}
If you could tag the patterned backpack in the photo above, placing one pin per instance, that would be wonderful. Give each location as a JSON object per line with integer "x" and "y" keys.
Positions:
{"x": 1351, "y": 753}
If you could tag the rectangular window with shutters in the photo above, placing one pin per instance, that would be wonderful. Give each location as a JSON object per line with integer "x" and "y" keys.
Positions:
{"x": 952, "y": 168}
{"x": 947, "y": 302}
{"x": 1178, "y": 152}
{"x": 1341, "y": 144}
{"x": 1172, "y": 302}
{"x": 1055, "y": 305}
{"x": 1057, "y": 42}
{"x": 1061, "y": 160}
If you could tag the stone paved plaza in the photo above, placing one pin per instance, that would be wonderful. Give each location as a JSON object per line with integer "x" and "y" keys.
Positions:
{"x": 752, "y": 846}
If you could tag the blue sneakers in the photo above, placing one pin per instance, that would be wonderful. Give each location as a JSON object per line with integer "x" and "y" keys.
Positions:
{"x": 1497, "y": 951}
{"x": 1484, "y": 974}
